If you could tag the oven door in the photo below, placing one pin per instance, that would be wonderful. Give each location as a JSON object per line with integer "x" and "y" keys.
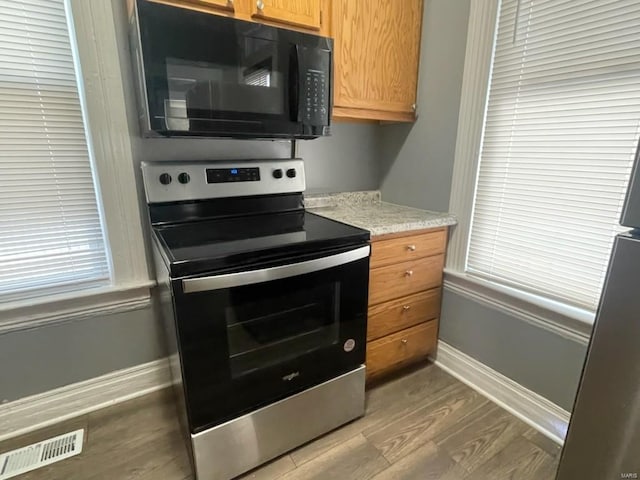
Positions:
{"x": 249, "y": 338}
{"x": 210, "y": 75}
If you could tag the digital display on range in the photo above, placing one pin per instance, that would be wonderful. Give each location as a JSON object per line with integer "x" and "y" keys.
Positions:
{"x": 228, "y": 175}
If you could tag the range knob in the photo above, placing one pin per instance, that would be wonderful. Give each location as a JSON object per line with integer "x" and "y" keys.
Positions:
{"x": 184, "y": 178}
{"x": 277, "y": 173}
{"x": 165, "y": 179}
{"x": 291, "y": 173}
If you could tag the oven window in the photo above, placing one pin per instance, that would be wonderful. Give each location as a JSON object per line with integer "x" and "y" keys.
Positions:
{"x": 265, "y": 331}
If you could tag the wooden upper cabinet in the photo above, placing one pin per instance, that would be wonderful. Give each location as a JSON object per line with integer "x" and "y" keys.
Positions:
{"x": 222, "y": 4}
{"x": 301, "y": 13}
{"x": 377, "y": 49}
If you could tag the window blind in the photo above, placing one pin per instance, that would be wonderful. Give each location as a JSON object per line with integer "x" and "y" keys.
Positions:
{"x": 51, "y": 236}
{"x": 561, "y": 129}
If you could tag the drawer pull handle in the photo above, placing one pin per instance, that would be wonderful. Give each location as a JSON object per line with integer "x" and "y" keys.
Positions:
{"x": 404, "y": 341}
{"x": 411, "y": 248}
{"x": 408, "y": 273}
{"x": 406, "y": 307}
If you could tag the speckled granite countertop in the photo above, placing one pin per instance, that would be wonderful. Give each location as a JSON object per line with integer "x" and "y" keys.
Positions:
{"x": 367, "y": 210}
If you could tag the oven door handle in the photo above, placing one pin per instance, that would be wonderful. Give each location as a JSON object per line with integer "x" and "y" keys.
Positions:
{"x": 217, "y": 282}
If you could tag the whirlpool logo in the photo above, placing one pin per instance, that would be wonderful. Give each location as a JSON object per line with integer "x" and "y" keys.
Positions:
{"x": 291, "y": 376}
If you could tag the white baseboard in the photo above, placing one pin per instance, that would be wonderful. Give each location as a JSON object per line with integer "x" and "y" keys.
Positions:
{"x": 535, "y": 410}
{"x": 38, "y": 411}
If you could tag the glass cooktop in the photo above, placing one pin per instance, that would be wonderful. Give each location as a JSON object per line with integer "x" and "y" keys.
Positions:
{"x": 233, "y": 243}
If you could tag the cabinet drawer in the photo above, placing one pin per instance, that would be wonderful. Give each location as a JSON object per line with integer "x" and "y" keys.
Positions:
{"x": 401, "y": 348}
{"x": 385, "y": 252}
{"x": 395, "y": 281}
{"x": 395, "y": 315}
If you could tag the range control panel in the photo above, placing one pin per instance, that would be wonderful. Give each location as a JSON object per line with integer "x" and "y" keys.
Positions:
{"x": 234, "y": 174}
{"x": 199, "y": 180}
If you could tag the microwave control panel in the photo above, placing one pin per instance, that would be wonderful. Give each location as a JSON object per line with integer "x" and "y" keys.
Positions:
{"x": 316, "y": 102}
{"x": 315, "y": 71}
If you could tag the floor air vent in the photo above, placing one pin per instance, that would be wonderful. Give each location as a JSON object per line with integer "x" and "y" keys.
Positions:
{"x": 40, "y": 454}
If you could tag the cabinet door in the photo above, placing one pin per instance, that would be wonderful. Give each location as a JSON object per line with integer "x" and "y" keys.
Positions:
{"x": 377, "y": 46}
{"x": 302, "y": 13}
{"x": 223, "y": 4}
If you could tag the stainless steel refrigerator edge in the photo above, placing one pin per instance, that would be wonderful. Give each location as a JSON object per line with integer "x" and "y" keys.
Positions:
{"x": 631, "y": 209}
{"x": 603, "y": 440}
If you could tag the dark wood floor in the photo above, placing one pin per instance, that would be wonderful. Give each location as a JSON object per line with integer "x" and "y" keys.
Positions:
{"x": 423, "y": 425}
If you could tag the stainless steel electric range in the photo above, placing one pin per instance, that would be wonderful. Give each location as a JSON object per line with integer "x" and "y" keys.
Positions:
{"x": 265, "y": 307}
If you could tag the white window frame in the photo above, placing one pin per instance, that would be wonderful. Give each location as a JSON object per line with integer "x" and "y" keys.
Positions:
{"x": 93, "y": 35}
{"x": 559, "y": 317}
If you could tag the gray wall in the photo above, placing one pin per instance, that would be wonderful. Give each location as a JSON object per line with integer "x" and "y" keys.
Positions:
{"x": 346, "y": 161}
{"x": 417, "y": 159}
{"x": 39, "y": 359}
{"x": 536, "y": 358}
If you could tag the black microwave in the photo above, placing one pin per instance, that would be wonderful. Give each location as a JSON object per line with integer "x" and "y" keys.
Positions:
{"x": 206, "y": 75}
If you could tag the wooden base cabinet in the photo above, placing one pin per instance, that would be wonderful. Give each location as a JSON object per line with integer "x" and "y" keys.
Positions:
{"x": 405, "y": 292}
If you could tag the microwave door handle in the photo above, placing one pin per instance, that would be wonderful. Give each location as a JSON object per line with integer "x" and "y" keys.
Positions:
{"x": 295, "y": 83}
{"x": 217, "y": 282}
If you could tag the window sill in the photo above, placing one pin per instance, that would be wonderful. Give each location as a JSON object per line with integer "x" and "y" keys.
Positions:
{"x": 565, "y": 320}
{"x": 77, "y": 305}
